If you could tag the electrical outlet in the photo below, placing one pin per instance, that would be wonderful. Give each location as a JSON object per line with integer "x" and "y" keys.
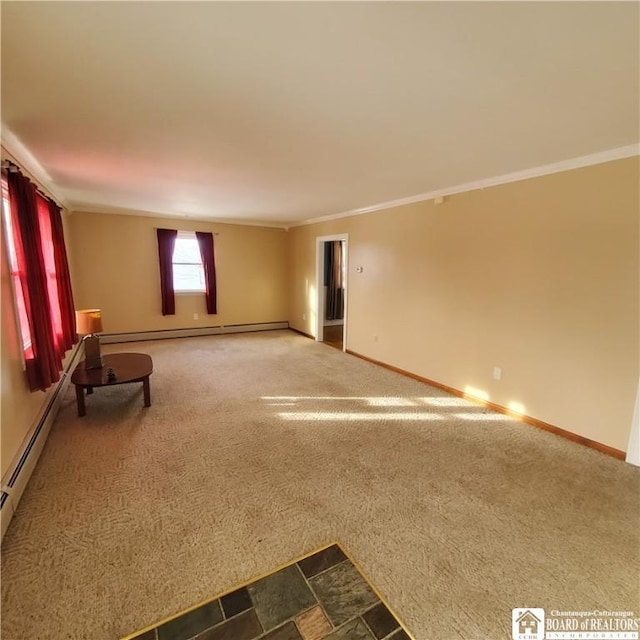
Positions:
{"x": 375, "y": 338}
{"x": 497, "y": 373}
{"x": 196, "y": 316}
{"x": 304, "y": 316}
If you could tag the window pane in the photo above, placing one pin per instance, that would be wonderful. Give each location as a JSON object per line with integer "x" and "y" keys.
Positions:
{"x": 188, "y": 277}
{"x": 187, "y": 250}
{"x": 188, "y": 273}
{"x": 19, "y": 293}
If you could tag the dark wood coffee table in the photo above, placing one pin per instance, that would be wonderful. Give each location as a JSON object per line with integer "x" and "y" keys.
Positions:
{"x": 128, "y": 367}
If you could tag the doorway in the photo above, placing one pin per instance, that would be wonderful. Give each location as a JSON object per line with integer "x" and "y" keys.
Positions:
{"x": 331, "y": 290}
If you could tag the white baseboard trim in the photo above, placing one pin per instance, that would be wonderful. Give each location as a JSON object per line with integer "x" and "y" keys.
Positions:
{"x": 17, "y": 476}
{"x": 164, "y": 334}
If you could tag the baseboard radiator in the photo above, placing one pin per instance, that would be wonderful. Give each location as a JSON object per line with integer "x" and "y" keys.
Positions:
{"x": 164, "y": 334}
{"x": 16, "y": 478}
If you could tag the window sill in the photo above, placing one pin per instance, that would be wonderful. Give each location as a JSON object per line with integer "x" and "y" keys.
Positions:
{"x": 189, "y": 293}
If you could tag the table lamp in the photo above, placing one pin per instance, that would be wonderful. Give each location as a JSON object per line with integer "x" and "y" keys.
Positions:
{"x": 88, "y": 324}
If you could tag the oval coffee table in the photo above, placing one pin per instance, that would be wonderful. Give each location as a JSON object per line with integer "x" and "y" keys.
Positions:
{"x": 128, "y": 367}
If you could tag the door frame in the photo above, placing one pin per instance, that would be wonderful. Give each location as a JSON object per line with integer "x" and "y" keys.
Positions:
{"x": 633, "y": 449}
{"x": 320, "y": 240}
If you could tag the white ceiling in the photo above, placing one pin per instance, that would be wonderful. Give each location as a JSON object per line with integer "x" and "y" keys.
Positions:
{"x": 286, "y": 111}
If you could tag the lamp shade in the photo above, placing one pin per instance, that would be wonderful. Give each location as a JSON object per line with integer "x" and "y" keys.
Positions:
{"x": 88, "y": 321}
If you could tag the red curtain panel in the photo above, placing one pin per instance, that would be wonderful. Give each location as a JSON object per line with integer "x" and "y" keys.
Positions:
{"x": 205, "y": 242}
{"x": 45, "y": 364}
{"x": 166, "y": 244}
{"x": 63, "y": 279}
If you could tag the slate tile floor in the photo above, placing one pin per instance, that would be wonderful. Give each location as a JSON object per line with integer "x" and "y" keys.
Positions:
{"x": 323, "y": 596}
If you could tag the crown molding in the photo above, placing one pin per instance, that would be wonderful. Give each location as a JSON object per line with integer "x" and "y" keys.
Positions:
{"x": 17, "y": 151}
{"x": 79, "y": 209}
{"x": 601, "y": 157}
{"x": 27, "y": 161}
{"x": 23, "y": 157}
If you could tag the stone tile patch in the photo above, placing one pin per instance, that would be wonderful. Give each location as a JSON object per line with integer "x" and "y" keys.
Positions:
{"x": 400, "y": 635}
{"x": 287, "y": 631}
{"x": 320, "y": 597}
{"x": 280, "y": 596}
{"x": 322, "y": 560}
{"x": 313, "y": 625}
{"x": 245, "y": 626}
{"x": 343, "y": 592}
{"x": 236, "y": 602}
{"x": 352, "y": 630}
{"x": 380, "y": 621}
{"x": 191, "y": 623}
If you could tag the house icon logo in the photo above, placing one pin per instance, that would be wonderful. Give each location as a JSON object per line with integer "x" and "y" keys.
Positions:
{"x": 527, "y": 624}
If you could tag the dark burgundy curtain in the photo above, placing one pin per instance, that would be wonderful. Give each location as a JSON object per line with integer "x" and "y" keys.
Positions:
{"x": 43, "y": 368}
{"x": 335, "y": 284}
{"x": 63, "y": 279}
{"x": 166, "y": 244}
{"x": 205, "y": 242}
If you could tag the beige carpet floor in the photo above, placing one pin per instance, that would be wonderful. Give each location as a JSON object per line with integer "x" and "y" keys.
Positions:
{"x": 261, "y": 447}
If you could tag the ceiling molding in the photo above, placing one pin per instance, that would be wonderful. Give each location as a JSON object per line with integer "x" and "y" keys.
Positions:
{"x": 27, "y": 161}
{"x": 601, "y": 157}
{"x": 273, "y": 129}
{"x": 109, "y": 211}
{"x": 19, "y": 152}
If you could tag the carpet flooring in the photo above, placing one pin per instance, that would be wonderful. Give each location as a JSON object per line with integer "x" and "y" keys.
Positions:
{"x": 259, "y": 448}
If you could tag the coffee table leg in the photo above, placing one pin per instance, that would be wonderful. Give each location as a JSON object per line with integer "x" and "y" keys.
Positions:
{"x": 80, "y": 400}
{"x": 147, "y": 392}
{"x": 89, "y": 390}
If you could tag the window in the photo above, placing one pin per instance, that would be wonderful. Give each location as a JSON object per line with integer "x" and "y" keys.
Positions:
{"x": 34, "y": 240}
{"x": 188, "y": 272}
{"x": 16, "y": 280}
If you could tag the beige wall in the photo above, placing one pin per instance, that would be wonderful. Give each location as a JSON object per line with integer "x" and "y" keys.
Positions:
{"x": 539, "y": 277}
{"x": 116, "y": 260}
{"x": 19, "y": 406}
{"x": 114, "y": 266}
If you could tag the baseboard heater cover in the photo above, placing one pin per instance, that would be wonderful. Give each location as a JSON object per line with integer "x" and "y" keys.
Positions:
{"x": 164, "y": 334}
{"x": 17, "y": 476}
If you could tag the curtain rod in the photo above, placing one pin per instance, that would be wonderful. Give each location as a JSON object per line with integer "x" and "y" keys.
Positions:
{"x": 7, "y": 165}
{"x": 215, "y": 233}
{"x": 12, "y": 167}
